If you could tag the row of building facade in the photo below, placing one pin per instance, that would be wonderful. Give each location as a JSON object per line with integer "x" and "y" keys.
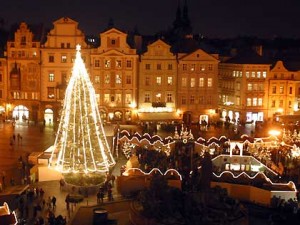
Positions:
{"x": 155, "y": 85}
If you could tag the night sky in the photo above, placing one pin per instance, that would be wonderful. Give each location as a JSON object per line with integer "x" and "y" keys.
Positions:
{"x": 212, "y": 18}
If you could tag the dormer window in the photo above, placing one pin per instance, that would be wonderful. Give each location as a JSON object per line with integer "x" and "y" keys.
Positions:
{"x": 113, "y": 41}
{"x": 23, "y": 40}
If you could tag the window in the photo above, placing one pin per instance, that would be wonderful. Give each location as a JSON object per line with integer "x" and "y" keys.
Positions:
{"x": 51, "y": 58}
{"x": 264, "y": 74}
{"x": 238, "y": 86}
{"x": 193, "y": 82}
{"x": 291, "y": 90}
{"x": 255, "y": 86}
{"x": 63, "y": 58}
{"x": 147, "y": 66}
{"x": 260, "y": 102}
{"x": 183, "y": 82}
{"x": 290, "y": 104}
{"x": 201, "y": 82}
{"x": 147, "y": 81}
{"x": 16, "y": 95}
{"x": 107, "y": 79}
{"x": 107, "y": 63}
{"x": 170, "y": 66}
{"x": 260, "y": 87}
{"x": 209, "y": 82}
{"x": 210, "y": 67}
{"x": 238, "y": 101}
{"x": 184, "y": 66}
{"x": 68, "y": 45}
{"x": 247, "y": 74}
{"x": 118, "y": 98}
{"x": 280, "y": 103}
{"x": 128, "y": 63}
{"x": 192, "y": 99}
{"x": 51, "y": 93}
{"x": 51, "y": 77}
{"x": 273, "y": 104}
{"x": 118, "y": 63}
{"x": 128, "y": 79}
{"x": 249, "y": 87}
{"x": 254, "y": 101}
{"x": 0, "y": 93}
{"x": 249, "y": 101}
{"x": 274, "y": 90}
{"x": 97, "y": 63}
{"x": 106, "y": 98}
{"x": 34, "y": 95}
{"x": 63, "y": 76}
{"x": 202, "y": 67}
{"x": 253, "y": 74}
{"x": 97, "y": 79}
{"x": 170, "y": 80}
{"x": 118, "y": 79}
{"x": 201, "y": 100}
{"x": 208, "y": 100}
{"x": 193, "y": 66}
{"x": 281, "y": 90}
{"x": 147, "y": 97}
{"x": 113, "y": 41}
{"x": 128, "y": 98}
{"x": 158, "y": 66}
{"x": 112, "y": 98}
{"x": 158, "y": 80}
{"x": 258, "y": 74}
{"x": 169, "y": 97}
{"x": 183, "y": 100}
{"x": 1, "y": 78}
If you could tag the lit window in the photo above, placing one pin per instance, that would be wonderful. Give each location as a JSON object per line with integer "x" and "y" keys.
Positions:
{"x": 254, "y": 101}
{"x": 193, "y": 82}
{"x": 258, "y": 74}
{"x": 274, "y": 90}
{"x": 51, "y": 93}
{"x": 201, "y": 82}
{"x": 264, "y": 74}
{"x": 118, "y": 63}
{"x": 247, "y": 74}
{"x": 281, "y": 90}
{"x": 106, "y": 98}
{"x": 193, "y": 66}
{"x": 249, "y": 87}
{"x": 209, "y": 82}
{"x": 202, "y": 67}
{"x": 238, "y": 100}
{"x": 107, "y": 63}
{"x": 118, "y": 79}
{"x": 97, "y": 79}
{"x": 170, "y": 80}
{"x": 260, "y": 101}
{"x": 118, "y": 98}
{"x": 51, "y": 77}
{"x": 252, "y": 74}
{"x": 249, "y": 101}
{"x": 107, "y": 79}
{"x": 63, "y": 58}
{"x": 128, "y": 98}
{"x": 158, "y": 80}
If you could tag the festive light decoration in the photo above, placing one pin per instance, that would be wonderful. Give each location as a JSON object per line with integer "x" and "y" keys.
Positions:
{"x": 80, "y": 141}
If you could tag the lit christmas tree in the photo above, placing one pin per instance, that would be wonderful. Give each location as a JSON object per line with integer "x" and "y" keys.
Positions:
{"x": 80, "y": 141}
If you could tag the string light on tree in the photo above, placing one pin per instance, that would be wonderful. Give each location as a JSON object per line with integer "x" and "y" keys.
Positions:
{"x": 80, "y": 141}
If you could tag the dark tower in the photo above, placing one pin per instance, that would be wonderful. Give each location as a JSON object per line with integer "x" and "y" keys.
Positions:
{"x": 186, "y": 23}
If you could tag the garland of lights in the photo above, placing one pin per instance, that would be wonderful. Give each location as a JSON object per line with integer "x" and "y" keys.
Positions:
{"x": 80, "y": 140}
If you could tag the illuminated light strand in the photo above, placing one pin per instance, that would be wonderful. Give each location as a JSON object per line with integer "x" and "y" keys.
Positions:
{"x": 81, "y": 145}
{"x": 127, "y": 172}
{"x": 289, "y": 184}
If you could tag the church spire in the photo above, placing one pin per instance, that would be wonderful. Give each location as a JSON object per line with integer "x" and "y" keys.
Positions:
{"x": 186, "y": 23}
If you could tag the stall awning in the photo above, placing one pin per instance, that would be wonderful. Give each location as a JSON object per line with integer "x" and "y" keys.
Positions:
{"x": 158, "y": 116}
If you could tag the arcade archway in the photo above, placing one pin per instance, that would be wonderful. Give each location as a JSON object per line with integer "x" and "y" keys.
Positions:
{"x": 20, "y": 113}
{"x": 48, "y": 117}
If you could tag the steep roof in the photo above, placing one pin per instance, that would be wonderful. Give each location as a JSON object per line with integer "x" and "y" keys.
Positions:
{"x": 249, "y": 56}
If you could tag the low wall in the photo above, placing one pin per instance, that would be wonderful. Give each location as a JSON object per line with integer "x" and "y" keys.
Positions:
{"x": 127, "y": 185}
{"x": 253, "y": 194}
